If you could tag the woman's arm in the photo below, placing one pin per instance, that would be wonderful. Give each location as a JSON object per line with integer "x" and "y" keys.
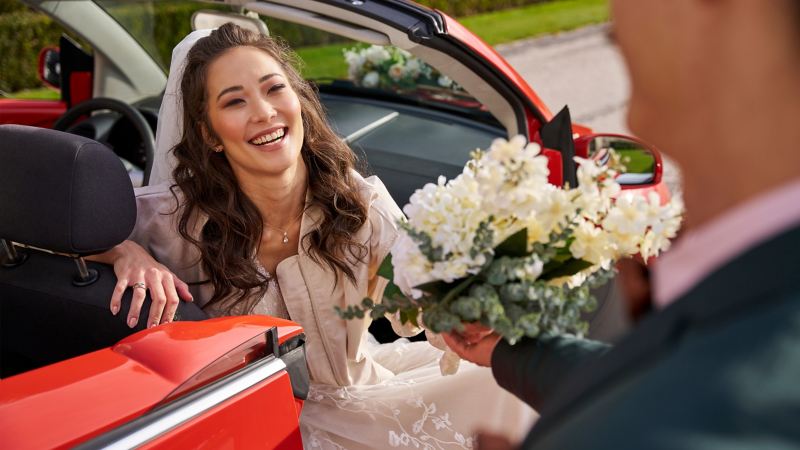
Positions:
{"x": 136, "y": 268}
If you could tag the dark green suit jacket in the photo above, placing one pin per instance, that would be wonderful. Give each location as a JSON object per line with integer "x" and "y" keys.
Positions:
{"x": 719, "y": 368}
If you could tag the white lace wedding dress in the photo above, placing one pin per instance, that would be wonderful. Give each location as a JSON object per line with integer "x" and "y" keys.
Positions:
{"x": 417, "y": 407}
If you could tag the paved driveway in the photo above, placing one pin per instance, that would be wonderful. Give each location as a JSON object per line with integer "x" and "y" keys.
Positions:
{"x": 584, "y": 70}
{"x": 579, "y": 68}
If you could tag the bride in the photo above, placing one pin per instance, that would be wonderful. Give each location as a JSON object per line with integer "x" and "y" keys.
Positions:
{"x": 255, "y": 203}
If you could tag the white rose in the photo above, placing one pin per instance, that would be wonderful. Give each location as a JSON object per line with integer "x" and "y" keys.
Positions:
{"x": 371, "y": 79}
{"x": 354, "y": 59}
{"x": 445, "y": 81}
{"x": 396, "y": 72}
{"x": 413, "y": 68}
{"x": 376, "y": 54}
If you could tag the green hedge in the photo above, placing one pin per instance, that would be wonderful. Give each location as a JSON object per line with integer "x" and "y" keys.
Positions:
{"x": 22, "y": 36}
{"x": 24, "y": 33}
{"x": 7, "y": 6}
{"x": 174, "y": 22}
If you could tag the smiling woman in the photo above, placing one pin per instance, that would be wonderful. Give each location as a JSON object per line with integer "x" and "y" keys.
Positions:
{"x": 250, "y": 89}
{"x": 267, "y": 216}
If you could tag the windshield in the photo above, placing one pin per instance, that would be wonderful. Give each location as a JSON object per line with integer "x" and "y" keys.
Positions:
{"x": 332, "y": 61}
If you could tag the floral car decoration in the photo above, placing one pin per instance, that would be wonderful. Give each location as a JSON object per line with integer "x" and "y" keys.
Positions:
{"x": 389, "y": 67}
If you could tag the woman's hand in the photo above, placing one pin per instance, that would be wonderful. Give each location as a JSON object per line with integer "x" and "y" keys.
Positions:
{"x": 475, "y": 344}
{"x": 135, "y": 268}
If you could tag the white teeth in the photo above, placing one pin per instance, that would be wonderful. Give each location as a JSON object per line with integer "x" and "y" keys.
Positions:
{"x": 275, "y": 135}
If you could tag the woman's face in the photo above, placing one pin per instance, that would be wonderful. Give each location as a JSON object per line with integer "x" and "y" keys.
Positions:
{"x": 254, "y": 112}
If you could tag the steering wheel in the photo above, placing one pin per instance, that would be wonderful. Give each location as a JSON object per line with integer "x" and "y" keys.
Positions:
{"x": 128, "y": 111}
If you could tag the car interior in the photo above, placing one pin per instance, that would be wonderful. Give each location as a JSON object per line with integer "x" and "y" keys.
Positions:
{"x": 79, "y": 203}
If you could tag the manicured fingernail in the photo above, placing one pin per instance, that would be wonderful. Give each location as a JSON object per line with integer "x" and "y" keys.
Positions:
{"x": 114, "y": 309}
{"x": 132, "y": 321}
{"x": 153, "y": 324}
{"x": 191, "y": 298}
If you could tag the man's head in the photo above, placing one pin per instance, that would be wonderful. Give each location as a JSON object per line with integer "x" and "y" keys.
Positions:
{"x": 713, "y": 82}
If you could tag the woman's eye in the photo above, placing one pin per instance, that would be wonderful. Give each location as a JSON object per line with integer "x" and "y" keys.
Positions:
{"x": 276, "y": 87}
{"x": 233, "y": 102}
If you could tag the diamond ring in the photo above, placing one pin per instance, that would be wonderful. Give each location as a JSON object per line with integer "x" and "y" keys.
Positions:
{"x": 140, "y": 285}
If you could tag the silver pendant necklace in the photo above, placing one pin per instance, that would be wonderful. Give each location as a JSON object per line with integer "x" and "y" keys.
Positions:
{"x": 285, "y": 232}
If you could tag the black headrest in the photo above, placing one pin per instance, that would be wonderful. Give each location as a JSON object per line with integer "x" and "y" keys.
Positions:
{"x": 62, "y": 192}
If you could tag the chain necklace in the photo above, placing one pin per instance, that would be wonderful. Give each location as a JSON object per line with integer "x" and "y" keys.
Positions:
{"x": 285, "y": 232}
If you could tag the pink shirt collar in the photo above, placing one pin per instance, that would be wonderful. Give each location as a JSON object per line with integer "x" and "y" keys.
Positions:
{"x": 706, "y": 249}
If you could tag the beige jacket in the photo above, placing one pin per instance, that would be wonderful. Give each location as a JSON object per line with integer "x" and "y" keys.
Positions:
{"x": 335, "y": 348}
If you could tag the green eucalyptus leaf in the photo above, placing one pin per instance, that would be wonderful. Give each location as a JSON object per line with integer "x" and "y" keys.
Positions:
{"x": 409, "y": 316}
{"x": 570, "y": 267}
{"x": 515, "y": 245}
{"x": 437, "y": 287}
{"x": 386, "y": 270}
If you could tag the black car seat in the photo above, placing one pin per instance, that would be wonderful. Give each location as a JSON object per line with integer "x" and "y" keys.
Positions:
{"x": 62, "y": 197}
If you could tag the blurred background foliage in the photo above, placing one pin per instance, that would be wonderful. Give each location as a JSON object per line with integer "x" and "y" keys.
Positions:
{"x": 24, "y": 32}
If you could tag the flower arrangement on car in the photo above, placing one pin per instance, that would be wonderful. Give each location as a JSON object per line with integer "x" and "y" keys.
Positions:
{"x": 501, "y": 246}
{"x": 389, "y": 67}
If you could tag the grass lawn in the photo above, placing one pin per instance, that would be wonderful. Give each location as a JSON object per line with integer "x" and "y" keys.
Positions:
{"x": 535, "y": 20}
{"x": 325, "y": 61}
{"x": 637, "y": 161}
{"x": 37, "y": 94}
{"x": 494, "y": 28}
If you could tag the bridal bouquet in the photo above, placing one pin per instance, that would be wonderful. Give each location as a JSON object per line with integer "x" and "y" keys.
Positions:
{"x": 391, "y": 67}
{"x": 501, "y": 246}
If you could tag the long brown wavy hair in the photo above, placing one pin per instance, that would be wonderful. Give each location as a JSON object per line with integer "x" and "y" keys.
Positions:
{"x": 229, "y": 240}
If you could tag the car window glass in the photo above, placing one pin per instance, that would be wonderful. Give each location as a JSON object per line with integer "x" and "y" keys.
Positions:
{"x": 24, "y": 33}
{"x": 329, "y": 58}
{"x": 157, "y": 25}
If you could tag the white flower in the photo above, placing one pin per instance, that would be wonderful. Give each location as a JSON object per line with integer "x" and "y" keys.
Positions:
{"x": 591, "y": 244}
{"x": 628, "y": 215}
{"x": 503, "y": 150}
{"x": 355, "y": 60}
{"x": 445, "y": 81}
{"x": 413, "y": 67}
{"x": 376, "y": 54}
{"x": 396, "y": 71}
{"x": 371, "y": 79}
{"x": 572, "y": 281}
{"x": 412, "y": 268}
{"x": 556, "y": 208}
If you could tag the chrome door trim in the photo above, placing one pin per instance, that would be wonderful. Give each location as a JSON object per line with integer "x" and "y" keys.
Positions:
{"x": 156, "y": 423}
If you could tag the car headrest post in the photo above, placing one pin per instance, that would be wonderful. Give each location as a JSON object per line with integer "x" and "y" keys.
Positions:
{"x": 85, "y": 275}
{"x": 11, "y": 257}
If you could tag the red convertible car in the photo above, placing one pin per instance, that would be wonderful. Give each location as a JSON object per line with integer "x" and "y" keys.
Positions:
{"x": 73, "y": 374}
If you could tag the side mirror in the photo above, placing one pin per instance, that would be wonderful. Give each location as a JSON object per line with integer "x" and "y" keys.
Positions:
{"x": 209, "y": 19}
{"x": 642, "y": 162}
{"x": 50, "y": 67}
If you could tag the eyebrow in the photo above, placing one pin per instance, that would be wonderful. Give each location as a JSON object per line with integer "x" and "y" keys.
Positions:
{"x": 239, "y": 88}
